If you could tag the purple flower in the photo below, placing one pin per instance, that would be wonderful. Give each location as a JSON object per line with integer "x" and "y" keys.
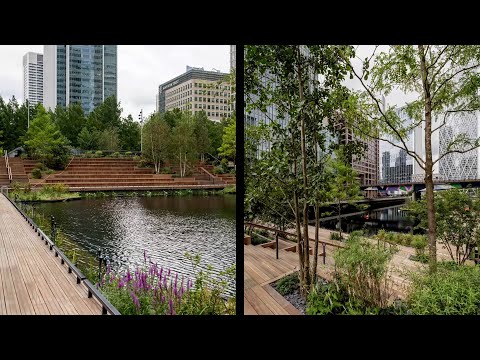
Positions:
{"x": 109, "y": 268}
{"x": 163, "y": 299}
{"x": 121, "y": 284}
{"x": 129, "y": 276}
{"x": 168, "y": 272}
{"x": 161, "y": 271}
{"x": 135, "y": 299}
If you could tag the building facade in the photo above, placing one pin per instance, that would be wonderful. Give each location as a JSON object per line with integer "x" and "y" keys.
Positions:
{"x": 33, "y": 78}
{"x": 395, "y": 165}
{"x": 84, "y": 74}
{"x": 365, "y": 166}
{"x": 197, "y": 90}
{"x": 233, "y": 56}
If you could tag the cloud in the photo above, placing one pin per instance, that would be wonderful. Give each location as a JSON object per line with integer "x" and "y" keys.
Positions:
{"x": 141, "y": 69}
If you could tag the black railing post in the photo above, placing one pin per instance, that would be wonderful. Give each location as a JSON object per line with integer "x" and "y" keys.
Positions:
{"x": 53, "y": 229}
{"x": 276, "y": 242}
{"x": 99, "y": 264}
{"x": 324, "y": 253}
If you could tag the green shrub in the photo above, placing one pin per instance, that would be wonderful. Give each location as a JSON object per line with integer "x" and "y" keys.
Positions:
{"x": 218, "y": 170}
{"x": 115, "y": 154}
{"x": 381, "y": 234}
{"x": 333, "y": 299}
{"x": 452, "y": 290}
{"x": 232, "y": 171}
{"x": 288, "y": 284}
{"x": 36, "y": 173}
{"x": 230, "y": 189}
{"x": 257, "y": 240}
{"x": 362, "y": 268}
{"x": 336, "y": 236}
{"x": 356, "y": 234}
{"x": 419, "y": 242}
{"x": 49, "y": 171}
{"x": 128, "y": 153}
{"x": 136, "y": 158}
{"x": 41, "y": 166}
{"x": 98, "y": 153}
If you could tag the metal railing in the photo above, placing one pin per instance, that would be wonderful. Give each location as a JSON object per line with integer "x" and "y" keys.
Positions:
{"x": 107, "y": 307}
{"x": 9, "y": 169}
{"x": 213, "y": 177}
{"x": 285, "y": 235}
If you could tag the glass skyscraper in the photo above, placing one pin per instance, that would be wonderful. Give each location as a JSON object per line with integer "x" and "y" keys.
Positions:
{"x": 84, "y": 74}
{"x": 396, "y": 166}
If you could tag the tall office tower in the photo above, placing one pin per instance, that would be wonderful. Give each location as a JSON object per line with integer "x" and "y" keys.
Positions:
{"x": 458, "y": 166}
{"x": 33, "y": 78}
{"x": 84, "y": 74}
{"x": 233, "y": 56}
{"x": 197, "y": 90}
{"x": 365, "y": 166}
{"x": 395, "y": 165}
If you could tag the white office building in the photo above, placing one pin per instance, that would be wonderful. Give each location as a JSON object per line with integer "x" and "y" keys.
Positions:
{"x": 33, "y": 78}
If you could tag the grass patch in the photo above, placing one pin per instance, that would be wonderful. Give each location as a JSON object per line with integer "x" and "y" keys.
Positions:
{"x": 288, "y": 284}
{"x": 55, "y": 192}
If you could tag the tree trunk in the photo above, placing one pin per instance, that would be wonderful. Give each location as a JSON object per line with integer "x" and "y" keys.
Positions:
{"x": 432, "y": 225}
{"x": 315, "y": 252}
{"x": 180, "y": 157}
{"x": 304, "y": 173}
{"x": 297, "y": 221}
{"x": 340, "y": 219}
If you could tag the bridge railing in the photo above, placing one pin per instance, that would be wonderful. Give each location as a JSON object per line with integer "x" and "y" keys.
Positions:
{"x": 9, "y": 170}
{"x": 107, "y": 307}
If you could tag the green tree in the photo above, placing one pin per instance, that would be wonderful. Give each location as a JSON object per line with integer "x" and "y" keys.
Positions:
{"x": 215, "y": 134}
{"x": 129, "y": 134}
{"x": 157, "y": 137}
{"x": 70, "y": 121}
{"x": 45, "y": 142}
{"x": 200, "y": 130}
{"x": 281, "y": 76}
{"x": 341, "y": 184}
{"x": 457, "y": 215}
{"x": 108, "y": 140}
{"x": 105, "y": 116}
{"x": 444, "y": 81}
{"x": 87, "y": 140}
{"x": 183, "y": 144}
{"x": 228, "y": 148}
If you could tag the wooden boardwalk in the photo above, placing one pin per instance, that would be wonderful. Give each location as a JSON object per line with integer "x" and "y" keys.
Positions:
{"x": 32, "y": 279}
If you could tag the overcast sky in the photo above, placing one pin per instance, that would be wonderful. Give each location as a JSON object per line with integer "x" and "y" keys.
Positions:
{"x": 141, "y": 69}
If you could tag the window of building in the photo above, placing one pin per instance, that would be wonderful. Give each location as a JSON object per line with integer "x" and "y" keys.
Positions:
{"x": 208, "y": 113}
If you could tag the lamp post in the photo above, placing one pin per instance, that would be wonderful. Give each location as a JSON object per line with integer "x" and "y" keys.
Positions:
{"x": 28, "y": 115}
{"x": 140, "y": 117}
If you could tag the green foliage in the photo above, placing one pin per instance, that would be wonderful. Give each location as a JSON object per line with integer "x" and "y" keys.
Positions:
{"x": 230, "y": 189}
{"x": 457, "y": 215}
{"x": 452, "y": 290}
{"x": 162, "y": 293}
{"x": 362, "y": 268}
{"x": 46, "y": 193}
{"x": 336, "y": 236}
{"x": 157, "y": 141}
{"x": 108, "y": 139}
{"x": 288, "y": 284}
{"x": 45, "y": 142}
{"x": 70, "y": 121}
{"x": 334, "y": 299}
{"x": 257, "y": 240}
{"x": 36, "y": 173}
{"x": 129, "y": 134}
{"x": 99, "y": 153}
{"x": 87, "y": 140}
{"x": 228, "y": 148}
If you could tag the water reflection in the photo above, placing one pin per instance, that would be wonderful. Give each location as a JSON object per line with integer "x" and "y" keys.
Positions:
{"x": 166, "y": 227}
{"x": 390, "y": 219}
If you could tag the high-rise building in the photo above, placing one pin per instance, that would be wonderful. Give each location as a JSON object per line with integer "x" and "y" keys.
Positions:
{"x": 233, "y": 56}
{"x": 84, "y": 74}
{"x": 395, "y": 165}
{"x": 197, "y": 90}
{"x": 365, "y": 166}
{"x": 33, "y": 78}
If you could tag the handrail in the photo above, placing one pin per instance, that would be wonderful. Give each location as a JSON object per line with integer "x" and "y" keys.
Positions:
{"x": 9, "y": 170}
{"x": 284, "y": 233}
{"x": 213, "y": 177}
{"x": 107, "y": 307}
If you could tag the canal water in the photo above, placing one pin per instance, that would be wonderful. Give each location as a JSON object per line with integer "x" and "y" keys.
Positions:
{"x": 391, "y": 219}
{"x": 166, "y": 227}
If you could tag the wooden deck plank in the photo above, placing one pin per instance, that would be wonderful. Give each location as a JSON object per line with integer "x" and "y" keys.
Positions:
{"x": 257, "y": 303}
{"x": 248, "y": 308}
{"x": 32, "y": 279}
{"x": 269, "y": 301}
{"x": 291, "y": 310}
